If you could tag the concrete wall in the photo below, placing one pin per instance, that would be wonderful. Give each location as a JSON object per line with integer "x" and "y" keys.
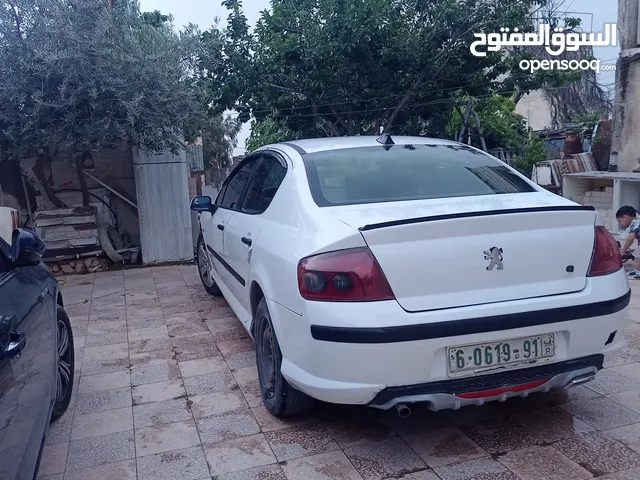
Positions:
{"x": 535, "y": 109}
{"x": 626, "y": 108}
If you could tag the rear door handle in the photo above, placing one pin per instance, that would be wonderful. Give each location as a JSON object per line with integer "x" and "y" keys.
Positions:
{"x": 17, "y": 342}
{"x": 246, "y": 241}
{"x": 221, "y": 227}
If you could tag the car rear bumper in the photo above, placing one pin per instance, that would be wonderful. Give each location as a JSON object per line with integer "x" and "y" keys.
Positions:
{"x": 381, "y": 355}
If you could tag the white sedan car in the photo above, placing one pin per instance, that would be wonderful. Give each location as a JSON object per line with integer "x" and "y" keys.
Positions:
{"x": 394, "y": 270}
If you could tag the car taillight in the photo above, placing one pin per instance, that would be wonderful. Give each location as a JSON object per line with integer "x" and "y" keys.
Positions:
{"x": 351, "y": 275}
{"x": 606, "y": 255}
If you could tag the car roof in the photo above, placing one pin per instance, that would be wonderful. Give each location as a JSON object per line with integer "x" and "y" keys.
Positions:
{"x": 313, "y": 145}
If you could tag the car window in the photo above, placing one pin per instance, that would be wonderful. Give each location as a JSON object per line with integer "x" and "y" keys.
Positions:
{"x": 235, "y": 185}
{"x": 263, "y": 186}
{"x": 406, "y": 172}
{"x": 220, "y": 195}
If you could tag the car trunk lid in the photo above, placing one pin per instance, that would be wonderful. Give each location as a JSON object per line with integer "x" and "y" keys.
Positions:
{"x": 477, "y": 250}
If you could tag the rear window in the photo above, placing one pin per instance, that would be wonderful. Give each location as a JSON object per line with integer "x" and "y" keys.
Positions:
{"x": 406, "y": 172}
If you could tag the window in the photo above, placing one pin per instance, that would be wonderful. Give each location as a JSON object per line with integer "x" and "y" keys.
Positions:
{"x": 235, "y": 185}
{"x": 264, "y": 185}
{"x": 406, "y": 172}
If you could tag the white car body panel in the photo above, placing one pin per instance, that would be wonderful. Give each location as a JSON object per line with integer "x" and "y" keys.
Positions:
{"x": 431, "y": 267}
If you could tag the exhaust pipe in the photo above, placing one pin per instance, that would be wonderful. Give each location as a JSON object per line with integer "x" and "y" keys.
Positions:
{"x": 403, "y": 410}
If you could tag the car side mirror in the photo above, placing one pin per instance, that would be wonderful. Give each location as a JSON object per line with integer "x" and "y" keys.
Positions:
{"x": 202, "y": 204}
{"x": 26, "y": 248}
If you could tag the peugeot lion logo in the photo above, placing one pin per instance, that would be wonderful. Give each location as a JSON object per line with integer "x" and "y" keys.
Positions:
{"x": 494, "y": 254}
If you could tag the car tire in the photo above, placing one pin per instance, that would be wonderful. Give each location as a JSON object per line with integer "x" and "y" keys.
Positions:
{"x": 202, "y": 260}
{"x": 65, "y": 364}
{"x": 278, "y": 396}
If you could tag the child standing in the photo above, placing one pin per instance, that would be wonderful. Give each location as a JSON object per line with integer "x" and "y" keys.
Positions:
{"x": 628, "y": 217}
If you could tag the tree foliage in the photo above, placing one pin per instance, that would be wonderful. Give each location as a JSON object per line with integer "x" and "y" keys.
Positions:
{"x": 348, "y": 67}
{"x": 534, "y": 152}
{"x": 501, "y": 125}
{"x": 77, "y": 76}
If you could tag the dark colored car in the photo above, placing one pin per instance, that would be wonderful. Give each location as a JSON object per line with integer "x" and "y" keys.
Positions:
{"x": 36, "y": 355}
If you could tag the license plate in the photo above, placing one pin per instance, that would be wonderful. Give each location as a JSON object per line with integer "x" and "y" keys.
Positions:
{"x": 506, "y": 353}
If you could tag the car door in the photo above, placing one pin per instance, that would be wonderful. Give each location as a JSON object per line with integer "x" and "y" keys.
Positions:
{"x": 243, "y": 228}
{"x": 226, "y": 205}
{"x": 27, "y": 367}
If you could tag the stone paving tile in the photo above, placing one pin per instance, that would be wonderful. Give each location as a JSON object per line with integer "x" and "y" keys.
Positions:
{"x": 185, "y": 464}
{"x": 252, "y": 393}
{"x": 104, "y": 381}
{"x": 226, "y": 426}
{"x": 158, "y": 392}
{"x": 153, "y": 357}
{"x": 229, "y": 348}
{"x": 166, "y": 438}
{"x": 148, "y": 333}
{"x": 111, "y": 471}
{"x": 628, "y": 435}
{"x": 543, "y": 462}
{"x": 269, "y": 423}
{"x": 602, "y": 413}
{"x": 96, "y": 424}
{"x": 598, "y": 453}
{"x": 216, "y": 403}
{"x": 203, "y": 366}
{"x": 479, "y": 469}
{"x": 195, "y": 347}
{"x": 159, "y": 413}
{"x": 94, "y": 451}
{"x": 300, "y": 441}
{"x": 103, "y": 400}
{"x": 325, "y": 466}
{"x": 358, "y": 432}
{"x": 632, "y": 474}
{"x": 239, "y": 454}
{"x": 105, "y": 359}
{"x": 212, "y": 382}
{"x": 608, "y": 382}
{"x": 444, "y": 447}
{"x": 389, "y": 458}
{"x": 268, "y": 472}
{"x": 498, "y": 436}
{"x": 551, "y": 424}
{"x": 163, "y": 371}
{"x": 163, "y": 367}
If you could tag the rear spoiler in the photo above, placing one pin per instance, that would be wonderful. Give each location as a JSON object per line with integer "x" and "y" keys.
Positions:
{"x": 483, "y": 213}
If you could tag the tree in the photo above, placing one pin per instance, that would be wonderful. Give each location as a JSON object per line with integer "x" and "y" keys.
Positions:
{"x": 346, "y": 67}
{"x": 534, "y": 152}
{"x": 219, "y": 138}
{"x": 501, "y": 125}
{"x": 79, "y": 76}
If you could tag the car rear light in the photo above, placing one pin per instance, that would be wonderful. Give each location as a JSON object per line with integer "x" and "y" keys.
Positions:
{"x": 606, "y": 254}
{"x": 351, "y": 275}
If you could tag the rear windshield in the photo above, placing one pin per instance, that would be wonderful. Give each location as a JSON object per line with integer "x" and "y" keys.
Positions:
{"x": 406, "y": 172}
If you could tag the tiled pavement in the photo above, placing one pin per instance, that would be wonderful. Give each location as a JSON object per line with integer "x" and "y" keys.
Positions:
{"x": 166, "y": 388}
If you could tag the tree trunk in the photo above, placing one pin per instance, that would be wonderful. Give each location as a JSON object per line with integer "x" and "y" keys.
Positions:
{"x": 38, "y": 171}
{"x": 82, "y": 180}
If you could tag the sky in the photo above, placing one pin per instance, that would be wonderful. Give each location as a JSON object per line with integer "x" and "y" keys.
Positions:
{"x": 204, "y": 12}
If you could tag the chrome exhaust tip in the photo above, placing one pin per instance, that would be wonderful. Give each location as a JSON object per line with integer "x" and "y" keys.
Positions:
{"x": 580, "y": 380}
{"x": 403, "y": 410}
